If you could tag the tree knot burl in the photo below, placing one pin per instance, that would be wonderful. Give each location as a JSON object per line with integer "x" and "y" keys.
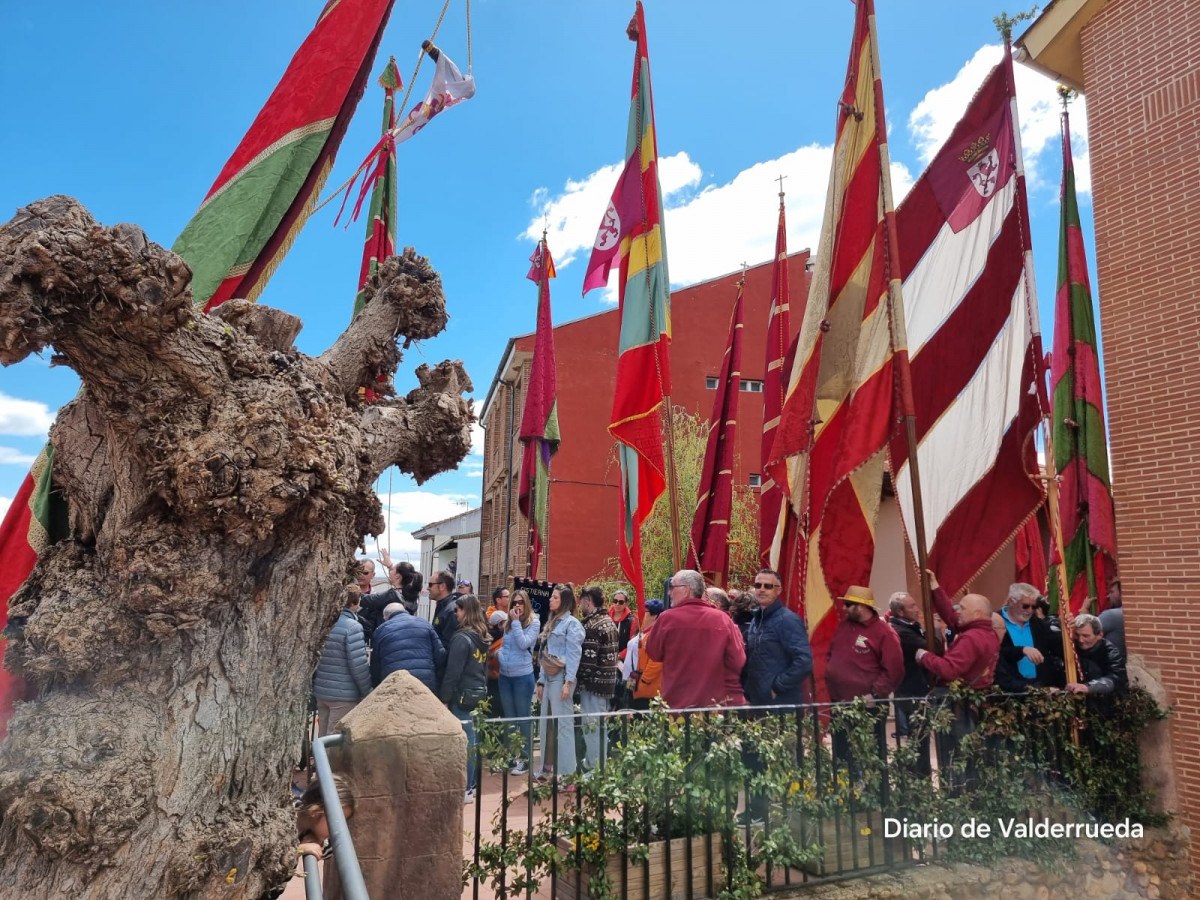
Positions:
{"x": 218, "y": 483}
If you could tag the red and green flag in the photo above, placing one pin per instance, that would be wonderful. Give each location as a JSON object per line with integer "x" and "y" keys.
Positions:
{"x": 631, "y": 231}
{"x": 268, "y": 188}
{"x": 708, "y": 550}
{"x": 1085, "y": 501}
{"x": 381, "y": 221}
{"x": 35, "y": 520}
{"x": 539, "y": 421}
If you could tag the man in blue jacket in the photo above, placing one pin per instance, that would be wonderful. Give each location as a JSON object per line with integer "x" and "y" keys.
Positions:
{"x": 778, "y": 660}
{"x": 778, "y": 657}
{"x": 341, "y": 678}
{"x": 408, "y": 642}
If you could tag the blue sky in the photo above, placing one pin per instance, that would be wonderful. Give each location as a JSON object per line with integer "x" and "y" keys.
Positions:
{"x": 134, "y": 107}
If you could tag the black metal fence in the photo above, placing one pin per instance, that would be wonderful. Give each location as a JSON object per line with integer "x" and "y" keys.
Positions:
{"x": 691, "y": 803}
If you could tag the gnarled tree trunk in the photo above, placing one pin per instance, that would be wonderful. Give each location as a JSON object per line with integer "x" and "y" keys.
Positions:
{"x": 219, "y": 482}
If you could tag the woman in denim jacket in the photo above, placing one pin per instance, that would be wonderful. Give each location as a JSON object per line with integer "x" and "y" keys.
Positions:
{"x": 562, "y": 642}
{"x": 516, "y": 670}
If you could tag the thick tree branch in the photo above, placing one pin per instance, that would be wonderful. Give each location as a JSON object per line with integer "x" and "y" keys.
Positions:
{"x": 403, "y": 298}
{"x": 63, "y": 279}
{"x": 427, "y": 432}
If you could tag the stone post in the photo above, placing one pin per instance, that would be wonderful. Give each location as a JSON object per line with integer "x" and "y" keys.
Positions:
{"x": 1154, "y": 744}
{"x": 405, "y": 757}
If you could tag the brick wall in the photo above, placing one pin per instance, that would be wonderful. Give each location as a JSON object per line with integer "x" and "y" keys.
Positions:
{"x": 1142, "y": 69}
{"x": 585, "y": 477}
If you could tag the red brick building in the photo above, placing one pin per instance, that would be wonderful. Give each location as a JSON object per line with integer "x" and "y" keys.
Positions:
{"x": 1138, "y": 64}
{"x": 585, "y": 477}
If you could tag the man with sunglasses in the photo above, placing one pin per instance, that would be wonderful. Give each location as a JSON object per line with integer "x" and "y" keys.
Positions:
{"x": 778, "y": 661}
{"x": 1030, "y": 652}
{"x": 442, "y": 596}
{"x": 699, "y": 647}
{"x": 778, "y": 656}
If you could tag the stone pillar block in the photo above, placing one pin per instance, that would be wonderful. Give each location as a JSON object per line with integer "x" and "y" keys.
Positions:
{"x": 405, "y": 756}
{"x": 1158, "y": 759}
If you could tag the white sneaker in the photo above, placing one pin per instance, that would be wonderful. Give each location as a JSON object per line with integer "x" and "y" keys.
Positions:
{"x": 468, "y": 797}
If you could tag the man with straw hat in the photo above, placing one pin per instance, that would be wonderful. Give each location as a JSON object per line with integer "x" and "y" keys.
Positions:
{"x": 865, "y": 660}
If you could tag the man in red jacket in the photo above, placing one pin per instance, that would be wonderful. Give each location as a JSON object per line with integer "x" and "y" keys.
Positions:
{"x": 970, "y": 658}
{"x": 865, "y": 660}
{"x": 700, "y": 649}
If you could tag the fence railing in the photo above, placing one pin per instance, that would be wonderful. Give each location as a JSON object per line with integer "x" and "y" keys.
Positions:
{"x": 349, "y": 871}
{"x": 708, "y": 800}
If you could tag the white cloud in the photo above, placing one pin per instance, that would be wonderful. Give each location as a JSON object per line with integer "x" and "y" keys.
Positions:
{"x": 13, "y": 457}
{"x": 572, "y": 216}
{"x": 24, "y": 417}
{"x": 406, "y": 511}
{"x": 5, "y": 503}
{"x": 1038, "y": 107}
{"x": 714, "y": 231}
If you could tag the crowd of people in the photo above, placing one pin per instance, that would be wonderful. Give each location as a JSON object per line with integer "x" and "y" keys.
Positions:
{"x": 704, "y": 647}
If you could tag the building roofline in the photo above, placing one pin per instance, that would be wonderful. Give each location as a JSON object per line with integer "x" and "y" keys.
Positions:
{"x": 505, "y": 358}
{"x": 510, "y": 349}
{"x": 418, "y": 532}
{"x": 1051, "y": 44}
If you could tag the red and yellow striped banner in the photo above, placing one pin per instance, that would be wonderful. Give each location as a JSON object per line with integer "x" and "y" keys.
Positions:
{"x": 829, "y": 450}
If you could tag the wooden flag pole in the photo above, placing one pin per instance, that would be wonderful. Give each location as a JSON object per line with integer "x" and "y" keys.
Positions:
{"x": 1050, "y": 474}
{"x": 900, "y": 341}
{"x": 673, "y": 487}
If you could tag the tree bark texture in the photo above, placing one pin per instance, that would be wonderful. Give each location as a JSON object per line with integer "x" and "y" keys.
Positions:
{"x": 219, "y": 482}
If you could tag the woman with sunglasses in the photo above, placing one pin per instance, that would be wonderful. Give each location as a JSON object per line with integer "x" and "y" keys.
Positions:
{"x": 627, "y": 628}
{"x": 516, "y": 670}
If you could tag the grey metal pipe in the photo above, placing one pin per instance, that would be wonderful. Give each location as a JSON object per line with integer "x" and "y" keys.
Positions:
{"x": 312, "y": 878}
{"x": 353, "y": 885}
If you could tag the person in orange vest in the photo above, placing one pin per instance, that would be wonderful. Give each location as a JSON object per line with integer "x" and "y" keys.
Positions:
{"x": 643, "y": 675}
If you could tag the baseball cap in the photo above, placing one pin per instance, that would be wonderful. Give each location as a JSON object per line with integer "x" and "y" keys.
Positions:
{"x": 499, "y": 617}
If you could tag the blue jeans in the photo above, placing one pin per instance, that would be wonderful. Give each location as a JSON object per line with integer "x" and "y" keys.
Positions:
{"x": 595, "y": 734}
{"x": 469, "y": 728}
{"x": 516, "y": 700}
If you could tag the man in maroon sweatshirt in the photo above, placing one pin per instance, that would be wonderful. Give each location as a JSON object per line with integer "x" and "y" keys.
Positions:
{"x": 700, "y": 649}
{"x": 865, "y": 660}
{"x": 970, "y": 658}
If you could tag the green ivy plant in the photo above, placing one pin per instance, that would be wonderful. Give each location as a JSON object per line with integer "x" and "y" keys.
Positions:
{"x": 669, "y": 776}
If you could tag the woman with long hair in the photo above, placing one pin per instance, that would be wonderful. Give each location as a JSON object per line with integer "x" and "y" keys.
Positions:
{"x": 464, "y": 684}
{"x": 560, "y": 649}
{"x": 411, "y": 583}
{"x": 516, "y": 670}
